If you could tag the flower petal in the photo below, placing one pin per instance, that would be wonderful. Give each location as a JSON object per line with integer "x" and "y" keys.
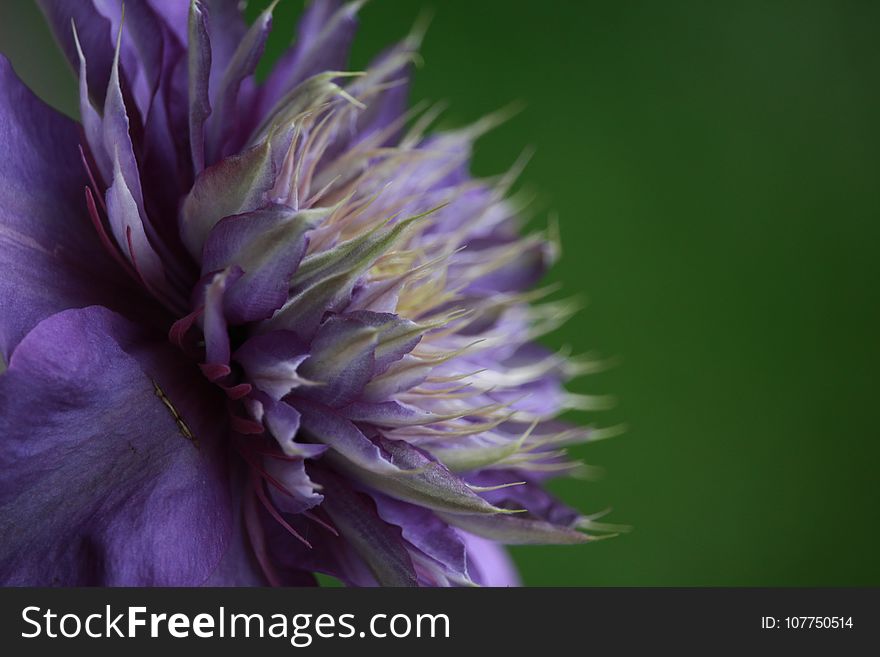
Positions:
{"x": 547, "y": 521}
{"x": 227, "y": 28}
{"x": 282, "y": 420}
{"x": 101, "y": 480}
{"x": 199, "y": 66}
{"x": 217, "y": 346}
{"x": 271, "y": 361}
{"x": 299, "y": 491}
{"x": 378, "y": 543}
{"x": 234, "y": 185}
{"x": 92, "y": 121}
{"x": 268, "y": 245}
{"x": 389, "y": 466}
{"x": 427, "y": 533}
{"x": 324, "y": 281}
{"x": 50, "y": 256}
{"x": 342, "y": 360}
{"x": 227, "y": 88}
{"x": 489, "y": 563}
{"x": 239, "y": 565}
{"x": 128, "y": 230}
{"x": 325, "y": 35}
{"x": 94, "y": 35}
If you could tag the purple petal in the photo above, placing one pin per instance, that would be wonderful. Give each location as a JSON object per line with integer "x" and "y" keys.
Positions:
{"x": 271, "y": 361}
{"x": 94, "y": 35}
{"x": 531, "y": 496}
{"x": 378, "y": 543}
{"x": 128, "y": 229}
{"x": 49, "y": 253}
{"x": 282, "y": 421}
{"x": 402, "y": 375}
{"x": 520, "y": 274}
{"x": 389, "y": 414}
{"x": 97, "y": 472}
{"x": 199, "y": 60}
{"x": 93, "y": 126}
{"x": 144, "y": 44}
{"x": 385, "y": 91}
{"x": 427, "y": 533}
{"x": 217, "y": 347}
{"x": 299, "y": 491}
{"x": 341, "y": 361}
{"x": 120, "y": 150}
{"x": 117, "y": 135}
{"x": 395, "y": 338}
{"x": 325, "y": 35}
{"x": 349, "y": 350}
{"x": 234, "y": 185}
{"x": 224, "y": 122}
{"x": 428, "y": 483}
{"x": 288, "y": 559}
{"x": 547, "y": 521}
{"x": 326, "y": 426}
{"x": 390, "y": 105}
{"x": 489, "y": 563}
{"x": 324, "y": 281}
{"x": 239, "y": 565}
{"x": 227, "y": 29}
{"x": 268, "y": 245}
{"x": 390, "y": 466}
{"x": 174, "y": 15}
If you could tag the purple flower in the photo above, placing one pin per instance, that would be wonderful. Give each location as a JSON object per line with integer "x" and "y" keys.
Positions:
{"x": 257, "y": 331}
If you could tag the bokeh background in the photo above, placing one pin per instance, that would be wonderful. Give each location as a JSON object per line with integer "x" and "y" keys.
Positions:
{"x": 714, "y": 168}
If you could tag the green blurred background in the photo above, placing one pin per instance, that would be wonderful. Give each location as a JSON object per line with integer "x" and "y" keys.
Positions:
{"x": 715, "y": 170}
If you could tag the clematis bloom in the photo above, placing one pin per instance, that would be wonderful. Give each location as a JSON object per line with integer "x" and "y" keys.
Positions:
{"x": 258, "y": 331}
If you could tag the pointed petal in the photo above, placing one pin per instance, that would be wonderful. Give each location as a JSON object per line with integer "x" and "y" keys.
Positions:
{"x": 128, "y": 229}
{"x": 547, "y": 521}
{"x": 283, "y": 421}
{"x": 341, "y": 360}
{"x": 50, "y": 255}
{"x": 324, "y": 281}
{"x": 268, "y": 245}
{"x": 431, "y": 485}
{"x": 392, "y": 467}
{"x": 326, "y": 426}
{"x": 427, "y": 533}
{"x": 288, "y": 558}
{"x": 395, "y": 337}
{"x": 117, "y": 133}
{"x": 227, "y": 28}
{"x": 199, "y": 63}
{"x": 271, "y": 361}
{"x": 406, "y": 373}
{"x": 514, "y": 530}
{"x": 489, "y": 563}
{"x": 325, "y": 35}
{"x": 94, "y": 34}
{"x": 91, "y": 119}
{"x": 390, "y": 414}
{"x": 472, "y": 455}
{"x": 174, "y": 15}
{"x": 144, "y": 48}
{"x": 225, "y": 95}
{"x": 217, "y": 346}
{"x": 234, "y": 185}
{"x": 299, "y": 491}
{"x": 378, "y": 543}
